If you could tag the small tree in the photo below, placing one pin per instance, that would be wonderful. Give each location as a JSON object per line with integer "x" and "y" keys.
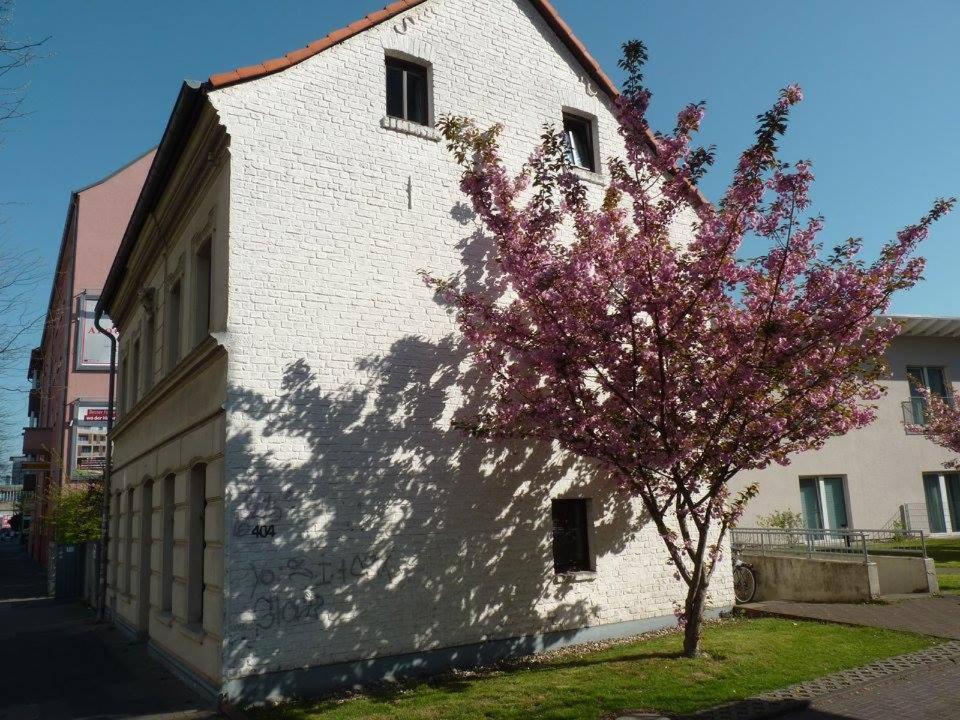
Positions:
{"x": 673, "y": 366}
{"x": 75, "y": 513}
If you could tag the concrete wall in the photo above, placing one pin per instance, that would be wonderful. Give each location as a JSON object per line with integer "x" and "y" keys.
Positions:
{"x": 783, "y": 577}
{"x": 360, "y": 523}
{"x": 882, "y": 463}
{"x": 903, "y": 575}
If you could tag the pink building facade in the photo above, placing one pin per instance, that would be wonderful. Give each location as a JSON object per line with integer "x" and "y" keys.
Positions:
{"x": 65, "y": 437}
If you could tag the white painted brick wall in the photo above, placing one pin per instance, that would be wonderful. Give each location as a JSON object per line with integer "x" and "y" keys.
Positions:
{"x": 393, "y": 532}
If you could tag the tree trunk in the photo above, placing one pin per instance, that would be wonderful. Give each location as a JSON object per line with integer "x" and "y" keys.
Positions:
{"x": 693, "y": 609}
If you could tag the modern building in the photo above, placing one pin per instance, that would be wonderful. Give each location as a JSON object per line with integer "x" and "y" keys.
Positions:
{"x": 883, "y": 475}
{"x": 291, "y": 509}
{"x": 69, "y": 371}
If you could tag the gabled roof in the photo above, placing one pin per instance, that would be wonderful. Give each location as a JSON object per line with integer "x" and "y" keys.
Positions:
{"x": 186, "y": 110}
{"x": 556, "y": 23}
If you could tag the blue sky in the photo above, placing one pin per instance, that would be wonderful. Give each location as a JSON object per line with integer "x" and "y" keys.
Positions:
{"x": 878, "y": 121}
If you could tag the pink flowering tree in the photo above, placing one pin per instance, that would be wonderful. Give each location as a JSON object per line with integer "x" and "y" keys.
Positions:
{"x": 665, "y": 358}
{"x": 942, "y": 423}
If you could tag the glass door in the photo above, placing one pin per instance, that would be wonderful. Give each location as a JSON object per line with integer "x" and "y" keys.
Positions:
{"x": 810, "y": 502}
{"x": 952, "y": 481}
{"x": 834, "y": 502}
{"x": 931, "y": 491}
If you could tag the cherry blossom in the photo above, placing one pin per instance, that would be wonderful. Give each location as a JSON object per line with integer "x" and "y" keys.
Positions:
{"x": 673, "y": 365}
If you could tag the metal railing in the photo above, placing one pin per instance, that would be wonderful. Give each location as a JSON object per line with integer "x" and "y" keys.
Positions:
{"x": 807, "y": 542}
{"x": 916, "y": 412}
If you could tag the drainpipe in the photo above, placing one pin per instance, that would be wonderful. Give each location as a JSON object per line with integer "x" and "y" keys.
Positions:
{"x": 108, "y": 465}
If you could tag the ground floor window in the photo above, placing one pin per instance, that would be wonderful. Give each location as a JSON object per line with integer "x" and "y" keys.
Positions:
{"x": 824, "y": 502}
{"x": 571, "y": 544}
{"x": 942, "y": 493}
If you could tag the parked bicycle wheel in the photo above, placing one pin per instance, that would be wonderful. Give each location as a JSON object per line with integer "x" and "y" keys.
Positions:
{"x": 744, "y": 583}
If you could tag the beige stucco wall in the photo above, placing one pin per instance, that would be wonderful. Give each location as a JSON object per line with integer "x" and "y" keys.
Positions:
{"x": 176, "y": 423}
{"x": 883, "y": 465}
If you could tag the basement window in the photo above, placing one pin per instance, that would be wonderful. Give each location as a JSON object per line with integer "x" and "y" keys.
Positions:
{"x": 407, "y": 91}
{"x": 571, "y": 545}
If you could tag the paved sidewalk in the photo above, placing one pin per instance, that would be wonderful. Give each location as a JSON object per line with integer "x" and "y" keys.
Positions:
{"x": 924, "y": 684}
{"x": 59, "y": 664}
{"x": 937, "y": 616}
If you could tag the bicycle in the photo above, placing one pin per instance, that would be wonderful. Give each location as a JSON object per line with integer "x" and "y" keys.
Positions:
{"x": 744, "y": 580}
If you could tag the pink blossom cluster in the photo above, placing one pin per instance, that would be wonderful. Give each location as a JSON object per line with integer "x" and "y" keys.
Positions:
{"x": 673, "y": 365}
{"x": 942, "y": 424}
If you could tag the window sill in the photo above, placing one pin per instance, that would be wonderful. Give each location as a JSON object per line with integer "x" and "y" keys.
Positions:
{"x": 410, "y": 128}
{"x": 575, "y": 576}
{"x": 193, "y": 631}
{"x": 164, "y": 617}
{"x": 589, "y": 176}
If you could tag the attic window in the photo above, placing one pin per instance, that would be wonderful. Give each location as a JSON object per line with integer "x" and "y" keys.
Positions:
{"x": 578, "y": 133}
{"x": 407, "y": 91}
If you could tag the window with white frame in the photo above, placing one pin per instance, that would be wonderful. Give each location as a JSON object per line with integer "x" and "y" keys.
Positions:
{"x": 923, "y": 378}
{"x": 941, "y": 491}
{"x": 824, "y": 503}
{"x": 578, "y": 133}
{"x": 408, "y": 91}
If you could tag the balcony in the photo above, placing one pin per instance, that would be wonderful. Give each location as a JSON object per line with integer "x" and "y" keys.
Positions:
{"x": 37, "y": 440}
{"x": 915, "y": 411}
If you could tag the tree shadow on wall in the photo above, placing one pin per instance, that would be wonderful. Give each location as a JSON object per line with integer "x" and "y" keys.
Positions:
{"x": 363, "y": 525}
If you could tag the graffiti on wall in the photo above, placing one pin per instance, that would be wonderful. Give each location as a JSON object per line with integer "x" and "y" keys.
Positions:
{"x": 298, "y": 588}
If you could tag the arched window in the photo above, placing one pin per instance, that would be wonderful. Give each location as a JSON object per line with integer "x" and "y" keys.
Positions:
{"x": 195, "y": 542}
{"x": 166, "y": 568}
{"x": 128, "y": 541}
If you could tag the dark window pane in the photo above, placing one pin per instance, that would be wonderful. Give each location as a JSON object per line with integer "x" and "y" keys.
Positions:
{"x": 579, "y": 136}
{"x": 938, "y": 386}
{"x": 915, "y": 379}
{"x": 417, "y": 97}
{"x": 570, "y": 545}
{"x": 394, "y": 91}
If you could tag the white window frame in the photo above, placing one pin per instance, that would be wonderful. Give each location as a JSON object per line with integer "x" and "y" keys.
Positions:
{"x": 821, "y": 502}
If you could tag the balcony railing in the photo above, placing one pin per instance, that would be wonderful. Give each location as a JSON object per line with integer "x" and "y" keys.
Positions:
{"x": 810, "y": 542}
{"x": 916, "y": 411}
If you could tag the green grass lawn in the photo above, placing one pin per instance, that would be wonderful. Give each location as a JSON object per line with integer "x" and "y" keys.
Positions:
{"x": 949, "y": 583}
{"x": 747, "y": 657}
{"x": 945, "y": 552}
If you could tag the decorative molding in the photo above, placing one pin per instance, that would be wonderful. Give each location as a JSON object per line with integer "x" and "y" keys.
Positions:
{"x": 148, "y": 300}
{"x": 588, "y": 86}
{"x": 410, "y": 128}
{"x": 403, "y": 26}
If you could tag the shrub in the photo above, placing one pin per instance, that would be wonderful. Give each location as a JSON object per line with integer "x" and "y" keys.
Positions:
{"x": 76, "y": 513}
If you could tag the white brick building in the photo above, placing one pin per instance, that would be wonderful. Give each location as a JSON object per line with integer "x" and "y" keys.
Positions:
{"x": 292, "y": 510}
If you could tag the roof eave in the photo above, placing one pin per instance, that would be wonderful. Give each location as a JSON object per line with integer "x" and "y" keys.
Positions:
{"x": 186, "y": 109}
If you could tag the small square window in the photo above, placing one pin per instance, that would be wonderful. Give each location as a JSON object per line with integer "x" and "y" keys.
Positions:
{"x": 407, "y": 91}
{"x": 571, "y": 547}
{"x": 578, "y": 133}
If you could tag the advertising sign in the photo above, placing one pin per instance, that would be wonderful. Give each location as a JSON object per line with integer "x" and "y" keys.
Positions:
{"x": 88, "y": 437}
{"x": 93, "y": 347}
